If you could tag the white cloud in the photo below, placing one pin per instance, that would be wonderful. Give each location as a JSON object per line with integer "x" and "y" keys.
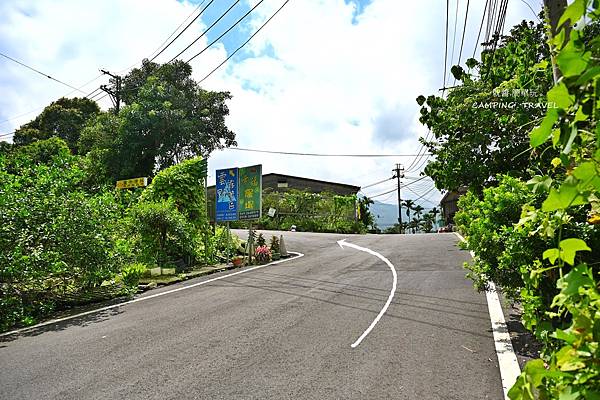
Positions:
{"x": 318, "y": 78}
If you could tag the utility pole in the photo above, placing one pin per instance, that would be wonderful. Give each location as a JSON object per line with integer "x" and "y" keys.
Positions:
{"x": 553, "y": 10}
{"x": 115, "y": 93}
{"x": 399, "y": 173}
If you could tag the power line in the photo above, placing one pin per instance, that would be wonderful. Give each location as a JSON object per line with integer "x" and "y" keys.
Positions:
{"x": 386, "y": 199}
{"x": 376, "y": 183}
{"x": 221, "y": 36}
{"x": 7, "y": 134}
{"x": 454, "y": 34}
{"x": 245, "y": 43}
{"x": 423, "y": 195}
{"x": 424, "y": 161}
{"x": 446, "y": 48}
{"x": 532, "y": 11}
{"x": 91, "y": 95}
{"x": 384, "y": 193}
{"x": 40, "y": 72}
{"x": 291, "y": 153}
{"x": 42, "y": 107}
{"x": 420, "y": 152}
{"x": 428, "y": 190}
{"x": 415, "y": 181}
{"x": 422, "y": 186}
{"x": 227, "y": 31}
{"x": 404, "y": 185}
{"x": 480, "y": 28}
{"x": 462, "y": 41}
{"x": 184, "y": 29}
{"x": 206, "y": 30}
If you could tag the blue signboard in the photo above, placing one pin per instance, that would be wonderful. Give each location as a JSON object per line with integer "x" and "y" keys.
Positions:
{"x": 227, "y": 194}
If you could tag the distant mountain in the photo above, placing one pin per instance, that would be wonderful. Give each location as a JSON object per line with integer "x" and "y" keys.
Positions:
{"x": 386, "y": 215}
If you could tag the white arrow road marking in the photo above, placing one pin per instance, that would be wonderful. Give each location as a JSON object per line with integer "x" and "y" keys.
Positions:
{"x": 343, "y": 243}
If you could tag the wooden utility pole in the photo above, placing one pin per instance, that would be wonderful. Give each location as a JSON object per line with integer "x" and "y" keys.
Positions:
{"x": 553, "y": 10}
{"x": 115, "y": 92}
{"x": 399, "y": 173}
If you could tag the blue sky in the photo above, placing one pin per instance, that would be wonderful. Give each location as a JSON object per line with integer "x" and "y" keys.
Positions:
{"x": 240, "y": 33}
{"x": 325, "y": 76}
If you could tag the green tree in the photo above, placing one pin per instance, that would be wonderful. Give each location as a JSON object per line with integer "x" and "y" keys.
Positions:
{"x": 409, "y": 204}
{"x": 5, "y": 148}
{"x": 435, "y": 211}
{"x": 418, "y": 210}
{"x": 55, "y": 238}
{"x": 39, "y": 152}
{"x": 183, "y": 186}
{"x": 167, "y": 118}
{"x": 481, "y": 128}
{"x": 428, "y": 221}
{"x": 365, "y": 215}
{"x": 64, "y": 118}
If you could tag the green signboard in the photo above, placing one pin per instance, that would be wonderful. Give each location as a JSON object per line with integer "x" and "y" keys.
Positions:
{"x": 250, "y": 193}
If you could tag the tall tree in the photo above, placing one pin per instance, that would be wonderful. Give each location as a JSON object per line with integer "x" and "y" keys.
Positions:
{"x": 167, "y": 118}
{"x": 434, "y": 211}
{"x": 428, "y": 221}
{"x": 64, "y": 118}
{"x": 409, "y": 204}
{"x": 481, "y": 128}
{"x": 365, "y": 215}
{"x": 418, "y": 210}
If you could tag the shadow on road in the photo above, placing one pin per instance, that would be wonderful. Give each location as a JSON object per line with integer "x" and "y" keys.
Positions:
{"x": 386, "y": 291}
{"x": 442, "y": 308}
{"x": 81, "y": 321}
{"x": 375, "y": 312}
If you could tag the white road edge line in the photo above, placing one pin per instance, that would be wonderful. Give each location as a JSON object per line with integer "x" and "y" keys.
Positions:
{"x": 507, "y": 359}
{"x": 54, "y": 321}
{"x": 342, "y": 243}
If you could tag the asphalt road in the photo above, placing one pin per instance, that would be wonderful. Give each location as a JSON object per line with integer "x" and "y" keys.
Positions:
{"x": 279, "y": 332}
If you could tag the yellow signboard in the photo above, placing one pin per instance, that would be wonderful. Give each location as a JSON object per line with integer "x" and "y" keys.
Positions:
{"x": 132, "y": 183}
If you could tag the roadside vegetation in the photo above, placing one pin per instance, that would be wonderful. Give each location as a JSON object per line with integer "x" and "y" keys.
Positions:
{"x": 532, "y": 214}
{"x": 67, "y": 236}
{"x": 315, "y": 212}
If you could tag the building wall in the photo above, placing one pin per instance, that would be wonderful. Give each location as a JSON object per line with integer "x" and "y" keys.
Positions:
{"x": 282, "y": 182}
{"x": 449, "y": 204}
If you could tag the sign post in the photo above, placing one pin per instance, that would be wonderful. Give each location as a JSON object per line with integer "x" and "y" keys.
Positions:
{"x": 132, "y": 183}
{"x": 239, "y": 198}
{"x": 250, "y": 193}
{"x": 250, "y": 199}
{"x": 227, "y": 195}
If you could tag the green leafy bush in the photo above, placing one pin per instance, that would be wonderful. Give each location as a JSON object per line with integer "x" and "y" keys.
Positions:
{"x": 260, "y": 240}
{"x": 313, "y": 212}
{"x": 132, "y": 273}
{"x": 488, "y": 226}
{"x": 55, "y": 238}
{"x": 163, "y": 234}
{"x": 40, "y": 152}
{"x": 183, "y": 184}
{"x": 570, "y": 365}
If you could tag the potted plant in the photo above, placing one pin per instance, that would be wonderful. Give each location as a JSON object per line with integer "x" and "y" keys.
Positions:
{"x": 237, "y": 261}
{"x": 263, "y": 254}
{"x": 275, "y": 254}
{"x": 260, "y": 240}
